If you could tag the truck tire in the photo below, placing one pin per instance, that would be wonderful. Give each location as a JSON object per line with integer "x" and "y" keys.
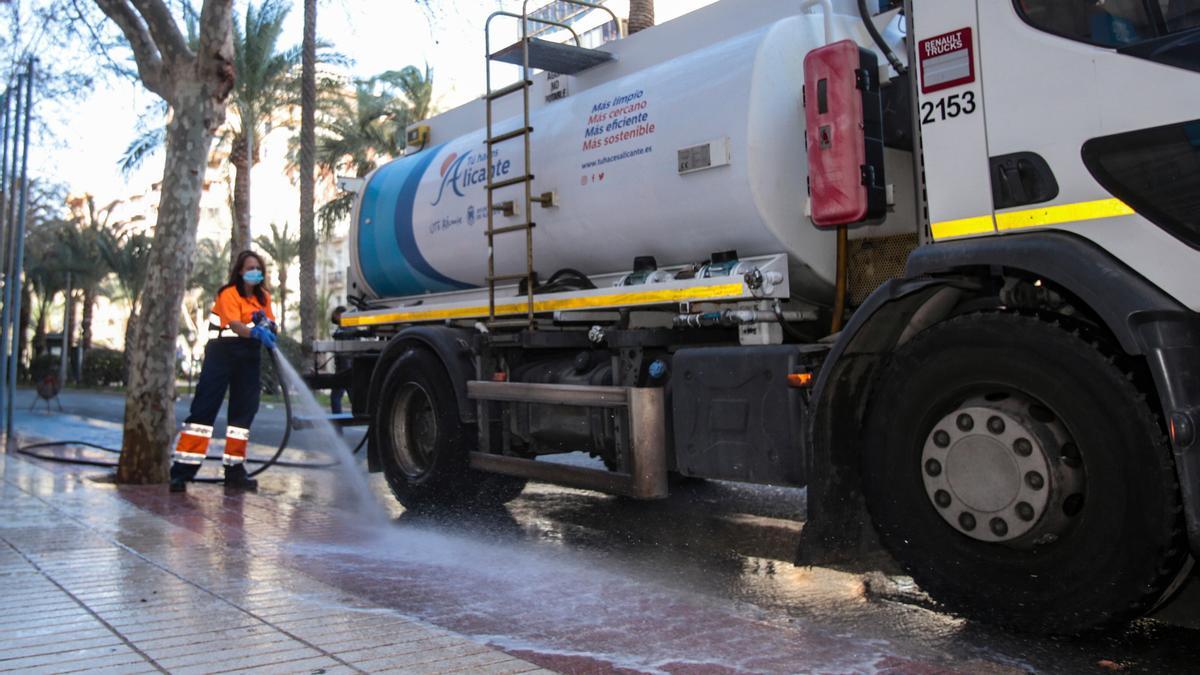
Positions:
{"x": 1021, "y": 478}
{"x": 423, "y": 444}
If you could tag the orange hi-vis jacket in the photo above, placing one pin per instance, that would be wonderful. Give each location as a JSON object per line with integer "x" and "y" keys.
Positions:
{"x": 231, "y": 306}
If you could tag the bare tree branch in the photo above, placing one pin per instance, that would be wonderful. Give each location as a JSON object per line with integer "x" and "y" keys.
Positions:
{"x": 98, "y": 44}
{"x": 171, "y": 43}
{"x": 145, "y": 52}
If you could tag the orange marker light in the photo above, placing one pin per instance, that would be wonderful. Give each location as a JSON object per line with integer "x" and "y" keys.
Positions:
{"x": 499, "y": 376}
{"x": 800, "y": 380}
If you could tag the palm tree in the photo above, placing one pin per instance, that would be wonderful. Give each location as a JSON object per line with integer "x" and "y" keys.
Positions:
{"x": 369, "y": 128}
{"x": 641, "y": 15}
{"x": 308, "y": 143}
{"x": 211, "y": 267}
{"x": 265, "y": 86}
{"x": 83, "y": 243}
{"x": 127, "y": 254}
{"x": 417, "y": 87}
{"x": 360, "y": 132}
{"x": 283, "y": 250}
{"x": 45, "y": 276}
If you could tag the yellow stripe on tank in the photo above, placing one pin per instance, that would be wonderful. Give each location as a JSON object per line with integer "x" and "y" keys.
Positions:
{"x": 510, "y": 307}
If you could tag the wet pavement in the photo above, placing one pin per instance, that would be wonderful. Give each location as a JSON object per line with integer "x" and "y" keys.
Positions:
{"x": 562, "y": 579}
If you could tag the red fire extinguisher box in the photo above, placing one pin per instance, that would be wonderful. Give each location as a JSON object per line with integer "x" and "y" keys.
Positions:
{"x": 843, "y": 112}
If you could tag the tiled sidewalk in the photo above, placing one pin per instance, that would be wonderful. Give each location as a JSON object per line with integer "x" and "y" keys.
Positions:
{"x": 92, "y": 582}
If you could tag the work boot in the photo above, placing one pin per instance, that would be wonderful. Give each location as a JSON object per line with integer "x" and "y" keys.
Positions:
{"x": 181, "y": 474}
{"x": 236, "y": 479}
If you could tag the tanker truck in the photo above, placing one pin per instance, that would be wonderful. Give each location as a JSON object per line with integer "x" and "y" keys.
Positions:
{"x": 938, "y": 261}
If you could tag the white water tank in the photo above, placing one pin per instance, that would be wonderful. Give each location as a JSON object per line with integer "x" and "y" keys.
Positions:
{"x": 612, "y": 154}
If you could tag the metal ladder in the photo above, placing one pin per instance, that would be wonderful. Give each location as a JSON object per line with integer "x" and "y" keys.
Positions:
{"x": 528, "y": 53}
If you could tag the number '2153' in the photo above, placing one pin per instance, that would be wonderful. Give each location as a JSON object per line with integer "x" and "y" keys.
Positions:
{"x": 948, "y": 107}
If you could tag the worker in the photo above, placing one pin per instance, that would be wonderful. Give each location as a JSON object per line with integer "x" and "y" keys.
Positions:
{"x": 241, "y": 322}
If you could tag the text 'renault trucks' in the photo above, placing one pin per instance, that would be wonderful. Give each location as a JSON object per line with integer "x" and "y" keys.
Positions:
{"x": 940, "y": 263}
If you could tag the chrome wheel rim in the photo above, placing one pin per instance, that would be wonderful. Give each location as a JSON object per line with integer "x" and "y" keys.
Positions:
{"x": 1003, "y": 468}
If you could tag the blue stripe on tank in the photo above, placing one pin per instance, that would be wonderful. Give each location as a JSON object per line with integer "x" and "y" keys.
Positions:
{"x": 389, "y": 258}
{"x": 406, "y": 233}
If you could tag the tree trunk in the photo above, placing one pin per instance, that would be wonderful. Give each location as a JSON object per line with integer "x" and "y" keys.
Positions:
{"x": 149, "y": 402}
{"x": 39, "y": 333}
{"x": 23, "y": 330}
{"x": 308, "y": 142}
{"x": 89, "y": 312}
{"x": 283, "y": 300}
{"x": 241, "y": 160}
{"x": 68, "y": 318}
{"x": 641, "y": 15}
{"x": 127, "y": 352}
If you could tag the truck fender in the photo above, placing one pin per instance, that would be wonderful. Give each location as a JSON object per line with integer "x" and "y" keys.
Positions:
{"x": 1116, "y": 293}
{"x": 451, "y": 345}
{"x": 838, "y": 528}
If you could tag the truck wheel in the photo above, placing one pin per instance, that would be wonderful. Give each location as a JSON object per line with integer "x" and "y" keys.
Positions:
{"x": 423, "y": 444}
{"x": 1021, "y": 478}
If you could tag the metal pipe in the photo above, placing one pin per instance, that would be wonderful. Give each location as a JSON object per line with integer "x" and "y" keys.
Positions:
{"x": 839, "y": 298}
{"x": 827, "y": 10}
{"x": 68, "y": 319}
{"x": 533, "y": 19}
{"x": 19, "y": 245}
{"x": 6, "y": 103}
{"x": 617, "y": 21}
{"x": 738, "y": 317}
{"x": 7, "y": 218}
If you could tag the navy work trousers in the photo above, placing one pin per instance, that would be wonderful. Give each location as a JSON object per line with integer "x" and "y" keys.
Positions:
{"x": 231, "y": 363}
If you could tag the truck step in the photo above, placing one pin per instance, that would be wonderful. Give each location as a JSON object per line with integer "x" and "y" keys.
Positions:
{"x": 562, "y": 474}
{"x": 555, "y": 394}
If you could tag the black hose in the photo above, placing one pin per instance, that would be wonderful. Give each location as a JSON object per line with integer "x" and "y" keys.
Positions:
{"x": 266, "y": 464}
{"x": 878, "y": 38}
{"x": 787, "y": 327}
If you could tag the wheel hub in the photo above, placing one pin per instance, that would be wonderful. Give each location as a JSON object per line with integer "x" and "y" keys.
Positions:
{"x": 994, "y": 472}
{"x": 414, "y": 430}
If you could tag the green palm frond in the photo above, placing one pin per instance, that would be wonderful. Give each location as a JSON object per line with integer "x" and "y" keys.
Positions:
{"x": 282, "y": 248}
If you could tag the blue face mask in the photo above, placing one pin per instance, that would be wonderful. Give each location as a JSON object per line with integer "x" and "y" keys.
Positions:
{"x": 253, "y": 277}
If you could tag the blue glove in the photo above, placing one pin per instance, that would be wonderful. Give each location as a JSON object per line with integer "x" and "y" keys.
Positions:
{"x": 258, "y": 317}
{"x": 263, "y": 335}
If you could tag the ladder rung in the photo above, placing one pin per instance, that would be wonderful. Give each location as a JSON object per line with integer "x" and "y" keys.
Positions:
{"x": 508, "y": 277}
{"x": 505, "y": 91}
{"x": 512, "y": 228}
{"x": 511, "y": 134}
{"x": 510, "y": 181}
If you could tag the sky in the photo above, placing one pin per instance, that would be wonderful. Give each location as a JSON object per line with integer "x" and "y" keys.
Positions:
{"x": 86, "y": 140}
